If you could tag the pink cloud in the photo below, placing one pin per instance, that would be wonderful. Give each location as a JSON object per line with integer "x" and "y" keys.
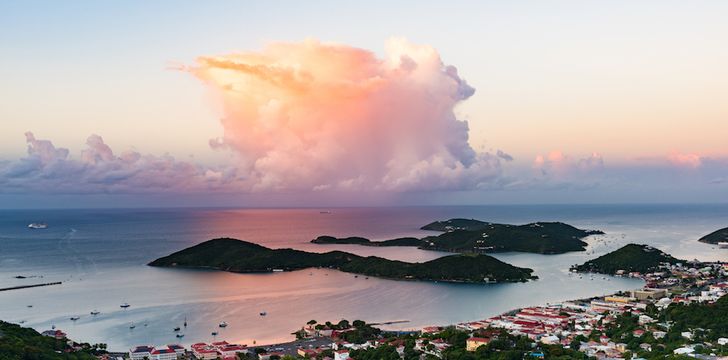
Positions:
{"x": 50, "y": 169}
{"x": 685, "y": 160}
{"x": 559, "y": 165}
{"x": 316, "y": 116}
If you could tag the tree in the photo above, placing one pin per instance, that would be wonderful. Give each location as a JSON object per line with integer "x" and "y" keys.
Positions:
{"x": 311, "y": 322}
{"x": 343, "y": 324}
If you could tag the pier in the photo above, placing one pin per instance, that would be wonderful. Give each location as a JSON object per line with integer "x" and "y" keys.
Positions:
{"x": 29, "y": 286}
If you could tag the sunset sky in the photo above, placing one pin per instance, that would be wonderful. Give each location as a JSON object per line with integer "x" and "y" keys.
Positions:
{"x": 273, "y": 103}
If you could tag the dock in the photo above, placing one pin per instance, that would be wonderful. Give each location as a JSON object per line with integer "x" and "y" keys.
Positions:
{"x": 29, "y": 286}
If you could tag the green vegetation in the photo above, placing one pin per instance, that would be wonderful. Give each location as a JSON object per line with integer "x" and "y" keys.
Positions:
{"x": 629, "y": 258}
{"x": 456, "y": 224}
{"x": 355, "y": 240}
{"x": 18, "y": 343}
{"x": 240, "y": 256}
{"x": 463, "y": 235}
{"x": 710, "y": 320}
{"x": 716, "y": 236}
{"x": 706, "y": 322}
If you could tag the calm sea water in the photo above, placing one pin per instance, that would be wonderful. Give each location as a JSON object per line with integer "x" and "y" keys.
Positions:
{"x": 100, "y": 256}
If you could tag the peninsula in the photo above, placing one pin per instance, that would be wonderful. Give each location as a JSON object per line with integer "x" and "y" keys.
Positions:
{"x": 629, "y": 258}
{"x": 716, "y": 236}
{"x": 240, "y": 256}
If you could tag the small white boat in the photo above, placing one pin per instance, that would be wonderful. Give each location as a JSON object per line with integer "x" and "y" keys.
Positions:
{"x": 95, "y": 312}
{"x": 38, "y": 225}
{"x": 180, "y": 335}
{"x": 223, "y": 324}
{"x": 74, "y": 318}
{"x": 263, "y": 313}
{"x": 124, "y": 305}
{"x": 214, "y": 333}
{"x": 132, "y": 326}
{"x": 723, "y": 245}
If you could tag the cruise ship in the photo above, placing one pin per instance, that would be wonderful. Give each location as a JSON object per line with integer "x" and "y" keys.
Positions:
{"x": 37, "y": 225}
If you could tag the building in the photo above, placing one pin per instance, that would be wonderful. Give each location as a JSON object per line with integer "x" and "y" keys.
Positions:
{"x": 474, "y": 343}
{"x": 620, "y": 299}
{"x": 57, "y": 334}
{"x": 203, "y": 351}
{"x": 141, "y": 352}
{"x": 163, "y": 354}
{"x": 341, "y": 355}
{"x": 550, "y": 340}
{"x": 649, "y": 293}
{"x": 179, "y": 349}
{"x": 231, "y": 350}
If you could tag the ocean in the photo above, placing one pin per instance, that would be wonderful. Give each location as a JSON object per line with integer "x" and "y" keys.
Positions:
{"x": 101, "y": 256}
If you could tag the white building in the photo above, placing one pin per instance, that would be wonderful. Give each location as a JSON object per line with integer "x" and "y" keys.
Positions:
{"x": 163, "y": 354}
{"x": 141, "y": 352}
{"x": 341, "y": 355}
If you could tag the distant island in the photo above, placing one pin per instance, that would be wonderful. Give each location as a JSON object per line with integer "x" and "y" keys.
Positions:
{"x": 463, "y": 235}
{"x": 716, "y": 236}
{"x": 240, "y": 256}
{"x": 355, "y": 240}
{"x": 475, "y": 236}
{"x": 629, "y": 258}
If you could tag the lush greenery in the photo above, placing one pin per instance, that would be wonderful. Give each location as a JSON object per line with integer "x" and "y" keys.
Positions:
{"x": 716, "y": 236}
{"x": 630, "y": 258}
{"x": 706, "y": 322}
{"x": 241, "y": 256}
{"x": 462, "y": 235}
{"x": 475, "y": 236}
{"x": 405, "y": 241}
{"x": 456, "y": 224}
{"x": 502, "y": 347}
{"x": 17, "y": 343}
{"x": 710, "y": 320}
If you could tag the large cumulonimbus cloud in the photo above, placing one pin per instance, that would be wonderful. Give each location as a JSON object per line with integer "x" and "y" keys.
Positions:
{"x": 315, "y": 116}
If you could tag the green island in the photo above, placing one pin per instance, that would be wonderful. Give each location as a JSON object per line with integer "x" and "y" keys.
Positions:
{"x": 629, "y": 258}
{"x": 356, "y": 240}
{"x": 475, "y": 236}
{"x": 716, "y": 236}
{"x": 240, "y": 256}
{"x": 18, "y": 342}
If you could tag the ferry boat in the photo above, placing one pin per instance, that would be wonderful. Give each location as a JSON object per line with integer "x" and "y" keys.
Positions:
{"x": 35, "y": 225}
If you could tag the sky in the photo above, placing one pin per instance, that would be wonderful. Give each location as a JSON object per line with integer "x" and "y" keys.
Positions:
{"x": 275, "y": 103}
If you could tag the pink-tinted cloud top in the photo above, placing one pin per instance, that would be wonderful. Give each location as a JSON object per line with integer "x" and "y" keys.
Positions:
{"x": 316, "y": 116}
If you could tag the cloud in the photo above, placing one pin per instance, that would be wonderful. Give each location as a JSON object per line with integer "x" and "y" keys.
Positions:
{"x": 557, "y": 164}
{"x": 504, "y": 155}
{"x": 685, "y": 160}
{"x": 317, "y": 116}
{"x": 48, "y": 169}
